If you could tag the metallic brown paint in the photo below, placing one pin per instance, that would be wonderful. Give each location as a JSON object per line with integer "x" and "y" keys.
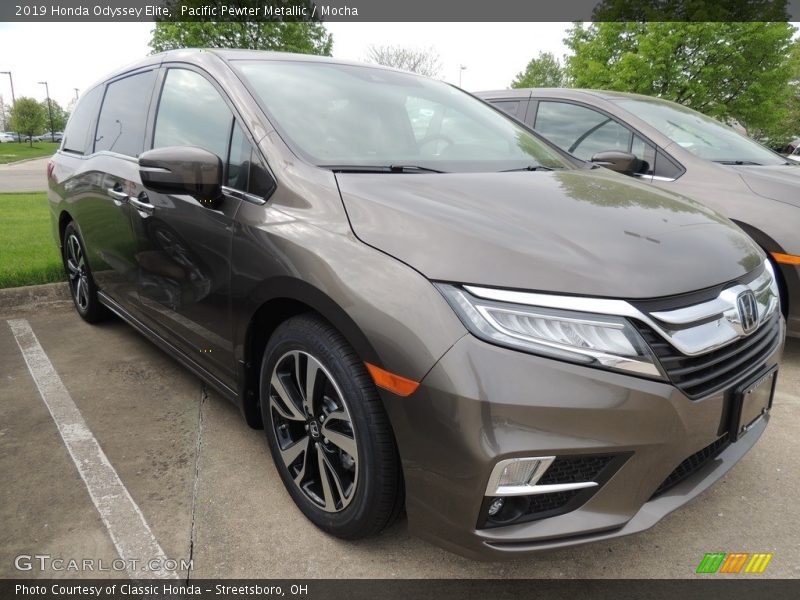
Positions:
{"x": 193, "y": 278}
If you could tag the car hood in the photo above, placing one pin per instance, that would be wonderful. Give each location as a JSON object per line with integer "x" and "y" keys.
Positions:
{"x": 776, "y": 182}
{"x": 577, "y": 232}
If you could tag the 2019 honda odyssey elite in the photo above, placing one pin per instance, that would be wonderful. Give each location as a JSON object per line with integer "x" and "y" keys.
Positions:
{"x": 424, "y": 304}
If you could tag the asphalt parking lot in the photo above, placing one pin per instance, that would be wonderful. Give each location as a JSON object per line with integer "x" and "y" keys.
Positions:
{"x": 207, "y": 488}
{"x": 24, "y": 176}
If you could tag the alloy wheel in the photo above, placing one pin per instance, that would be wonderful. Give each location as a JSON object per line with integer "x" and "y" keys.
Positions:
{"x": 314, "y": 431}
{"x": 76, "y": 271}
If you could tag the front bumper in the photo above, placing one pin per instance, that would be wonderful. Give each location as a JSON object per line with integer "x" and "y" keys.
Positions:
{"x": 481, "y": 403}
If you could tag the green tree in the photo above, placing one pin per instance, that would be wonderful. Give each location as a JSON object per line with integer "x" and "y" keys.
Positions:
{"x": 692, "y": 10}
{"x": 729, "y": 70}
{"x": 543, "y": 71}
{"x": 787, "y": 126}
{"x": 182, "y": 31}
{"x": 28, "y": 117}
{"x": 59, "y": 115}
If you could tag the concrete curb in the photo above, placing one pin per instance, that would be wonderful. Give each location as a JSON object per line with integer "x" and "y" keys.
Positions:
{"x": 24, "y": 160}
{"x": 34, "y": 296}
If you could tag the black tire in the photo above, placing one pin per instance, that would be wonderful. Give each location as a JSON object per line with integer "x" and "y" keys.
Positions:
{"x": 349, "y": 401}
{"x": 81, "y": 284}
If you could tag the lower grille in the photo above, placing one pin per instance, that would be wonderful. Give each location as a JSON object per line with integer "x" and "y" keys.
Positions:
{"x": 692, "y": 464}
{"x": 564, "y": 469}
{"x": 698, "y": 376}
{"x": 569, "y": 469}
{"x": 542, "y": 503}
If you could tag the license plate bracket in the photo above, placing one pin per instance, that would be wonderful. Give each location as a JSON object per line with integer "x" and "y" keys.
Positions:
{"x": 751, "y": 400}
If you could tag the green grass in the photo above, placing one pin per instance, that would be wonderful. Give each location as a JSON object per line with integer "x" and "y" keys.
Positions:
{"x": 14, "y": 151}
{"x": 28, "y": 253}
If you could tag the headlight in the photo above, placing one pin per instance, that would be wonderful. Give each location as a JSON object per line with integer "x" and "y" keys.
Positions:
{"x": 594, "y": 340}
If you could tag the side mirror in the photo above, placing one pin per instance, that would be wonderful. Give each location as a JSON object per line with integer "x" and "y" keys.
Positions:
{"x": 621, "y": 162}
{"x": 182, "y": 170}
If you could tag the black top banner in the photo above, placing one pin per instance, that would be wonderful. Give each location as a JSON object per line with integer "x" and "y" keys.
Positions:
{"x": 399, "y": 10}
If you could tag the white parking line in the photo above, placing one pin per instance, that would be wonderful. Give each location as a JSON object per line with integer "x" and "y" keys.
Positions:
{"x": 126, "y": 525}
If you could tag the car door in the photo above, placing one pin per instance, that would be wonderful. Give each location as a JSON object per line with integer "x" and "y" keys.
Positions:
{"x": 111, "y": 176}
{"x": 183, "y": 246}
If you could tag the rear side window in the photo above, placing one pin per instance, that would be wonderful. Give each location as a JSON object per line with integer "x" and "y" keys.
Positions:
{"x": 77, "y": 134}
{"x": 124, "y": 114}
{"x": 509, "y": 106}
{"x": 192, "y": 113}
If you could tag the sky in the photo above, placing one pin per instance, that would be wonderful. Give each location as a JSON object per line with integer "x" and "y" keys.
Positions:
{"x": 493, "y": 53}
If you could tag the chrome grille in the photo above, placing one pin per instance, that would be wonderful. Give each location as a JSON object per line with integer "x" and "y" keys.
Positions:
{"x": 703, "y": 327}
{"x": 698, "y": 376}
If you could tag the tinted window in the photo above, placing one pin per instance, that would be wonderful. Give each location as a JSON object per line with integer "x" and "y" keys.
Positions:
{"x": 666, "y": 167}
{"x": 192, "y": 113}
{"x": 77, "y": 135}
{"x": 239, "y": 160}
{"x": 124, "y": 114}
{"x": 509, "y": 106}
{"x": 646, "y": 153}
{"x": 261, "y": 182}
{"x": 579, "y": 130}
{"x": 334, "y": 114}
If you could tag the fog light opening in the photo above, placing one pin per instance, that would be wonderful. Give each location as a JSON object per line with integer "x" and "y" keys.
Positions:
{"x": 508, "y": 509}
{"x": 495, "y": 506}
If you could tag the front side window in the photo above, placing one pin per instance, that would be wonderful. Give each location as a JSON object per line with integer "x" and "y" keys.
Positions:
{"x": 701, "y": 135}
{"x": 581, "y": 131}
{"x": 123, "y": 117}
{"x": 239, "y": 160}
{"x": 345, "y": 115}
{"x": 191, "y": 112}
{"x": 246, "y": 172}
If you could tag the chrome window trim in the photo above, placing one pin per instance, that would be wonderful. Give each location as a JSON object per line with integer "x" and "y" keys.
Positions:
{"x": 246, "y": 196}
{"x": 717, "y": 319}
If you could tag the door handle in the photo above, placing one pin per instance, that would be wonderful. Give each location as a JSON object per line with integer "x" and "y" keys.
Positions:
{"x": 143, "y": 206}
{"x": 118, "y": 196}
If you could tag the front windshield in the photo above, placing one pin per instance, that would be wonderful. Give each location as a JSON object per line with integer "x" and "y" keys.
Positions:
{"x": 344, "y": 115}
{"x": 699, "y": 134}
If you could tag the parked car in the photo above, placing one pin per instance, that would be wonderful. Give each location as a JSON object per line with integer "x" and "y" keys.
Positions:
{"x": 47, "y": 136}
{"x": 795, "y": 156}
{"x": 422, "y": 302}
{"x": 682, "y": 150}
{"x": 6, "y": 137}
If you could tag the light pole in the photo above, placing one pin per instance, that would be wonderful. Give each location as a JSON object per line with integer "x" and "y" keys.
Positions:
{"x": 76, "y": 93}
{"x": 49, "y": 110}
{"x": 13, "y": 99}
{"x": 461, "y": 69}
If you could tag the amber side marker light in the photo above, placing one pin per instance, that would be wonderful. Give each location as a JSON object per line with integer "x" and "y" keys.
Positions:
{"x": 786, "y": 259}
{"x": 389, "y": 381}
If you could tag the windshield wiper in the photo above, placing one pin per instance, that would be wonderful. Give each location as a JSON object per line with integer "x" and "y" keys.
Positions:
{"x": 528, "y": 168}
{"x": 738, "y": 162}
{"x": 380, "y": 169}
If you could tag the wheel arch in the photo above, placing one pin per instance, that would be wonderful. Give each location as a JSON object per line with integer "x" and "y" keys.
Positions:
{"x": 64, "y": 219}
{"x": 278, "y": 300}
